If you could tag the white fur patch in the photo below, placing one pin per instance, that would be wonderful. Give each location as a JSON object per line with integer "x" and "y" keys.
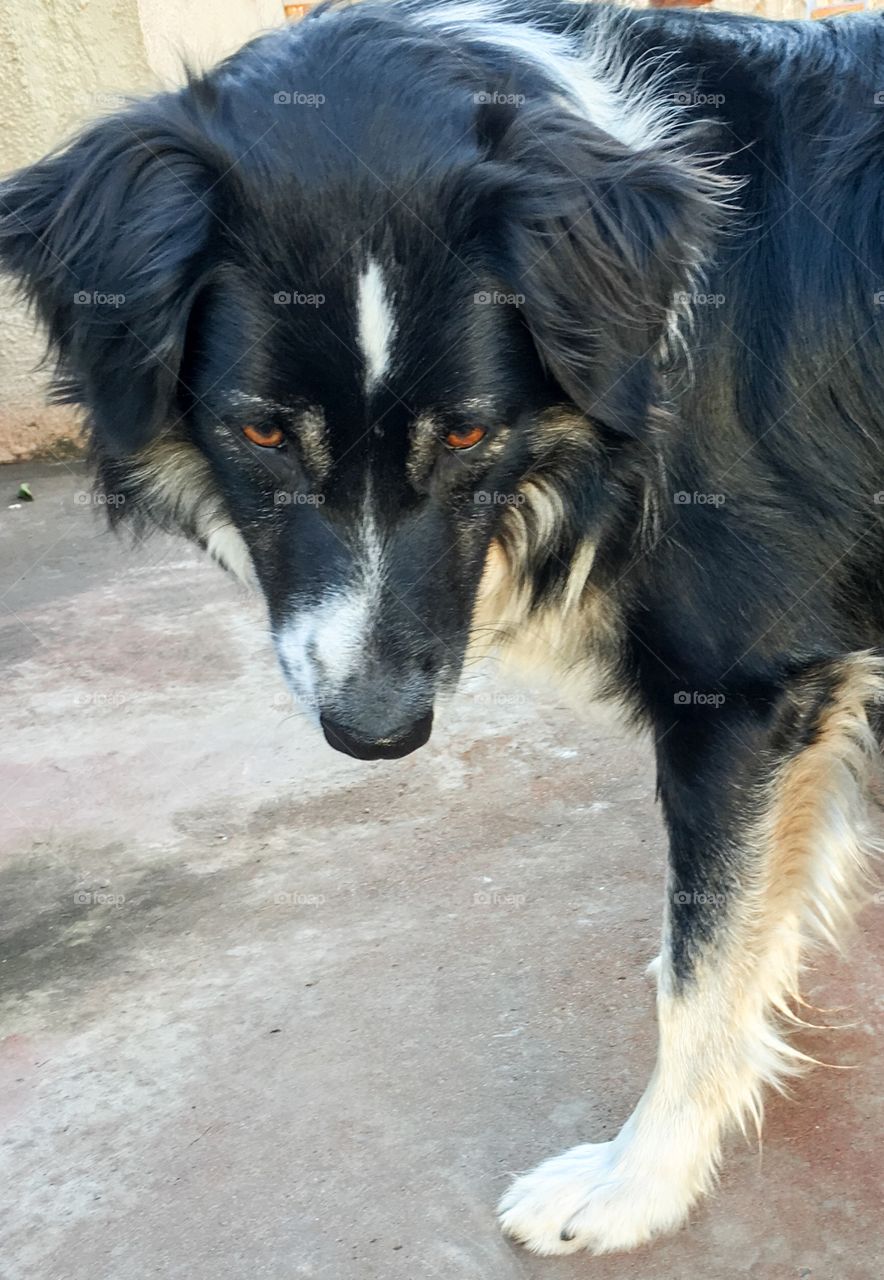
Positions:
{"x": 179, "y": 489}
{"x": 375, "y": 323}
{"x": 225, "y": 544}
{"x": 604, "y": 1196}
{"x": 716, "y": 1046}
{"x": 320, "y": 647}
{"x": 632, "y": 99}
{"x": 323, "y": 643}
{"x": 722, "y": 1035}
{"x": 592, "y": 77}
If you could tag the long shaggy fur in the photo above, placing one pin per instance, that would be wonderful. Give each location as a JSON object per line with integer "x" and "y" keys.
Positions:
{"x": 554, "y": 329}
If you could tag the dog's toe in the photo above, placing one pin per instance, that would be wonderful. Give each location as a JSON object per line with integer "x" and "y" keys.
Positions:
{"x": 588, "y": 1199}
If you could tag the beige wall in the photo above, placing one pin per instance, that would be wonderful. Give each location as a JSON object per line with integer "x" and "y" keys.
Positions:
{"x": 202, "y": 30}
{"x": 65, "y": 61}
{"x": 55, "y": 57}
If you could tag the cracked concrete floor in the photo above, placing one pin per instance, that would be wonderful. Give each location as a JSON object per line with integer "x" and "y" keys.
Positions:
{"x": 270, "y": 1012}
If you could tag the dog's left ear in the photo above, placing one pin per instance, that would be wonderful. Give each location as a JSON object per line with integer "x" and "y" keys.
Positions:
{"x": 600, "y": 239}
{"x": 107, "y": 239}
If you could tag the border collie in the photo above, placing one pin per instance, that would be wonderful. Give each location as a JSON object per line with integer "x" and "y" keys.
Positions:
{"x": 552, "y": 328}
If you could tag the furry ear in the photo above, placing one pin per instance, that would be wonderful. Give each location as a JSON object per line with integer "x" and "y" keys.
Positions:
{"x": 601, "y": 239}
{"x": 107, "y": 239}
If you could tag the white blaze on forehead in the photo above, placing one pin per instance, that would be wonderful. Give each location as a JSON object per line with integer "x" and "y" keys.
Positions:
{"x": 375, "y": 323}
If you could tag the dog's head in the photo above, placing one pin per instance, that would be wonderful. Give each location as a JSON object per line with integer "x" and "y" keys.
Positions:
{"x": 338, "y": 310}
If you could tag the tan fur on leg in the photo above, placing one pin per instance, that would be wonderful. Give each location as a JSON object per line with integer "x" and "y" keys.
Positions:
{"x": 722, "y": 1032}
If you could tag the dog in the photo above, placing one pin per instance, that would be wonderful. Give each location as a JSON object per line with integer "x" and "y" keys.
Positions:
{"x": 552, "y": 329}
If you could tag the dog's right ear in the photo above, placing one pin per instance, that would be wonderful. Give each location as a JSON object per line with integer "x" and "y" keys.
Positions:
{"x": 107, "y": 239}
{"x": 600, "y": 239}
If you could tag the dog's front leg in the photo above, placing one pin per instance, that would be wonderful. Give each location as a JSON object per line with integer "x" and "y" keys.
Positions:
{"x": 765, "y": 815}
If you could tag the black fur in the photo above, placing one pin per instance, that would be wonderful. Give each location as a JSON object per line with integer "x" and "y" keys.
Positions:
{"x": 199, "y": 206}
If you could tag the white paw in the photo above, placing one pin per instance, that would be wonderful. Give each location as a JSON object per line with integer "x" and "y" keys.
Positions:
{"x": 592, "y": 1197}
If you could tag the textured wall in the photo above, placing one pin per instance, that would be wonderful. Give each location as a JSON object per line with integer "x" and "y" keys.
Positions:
{"x": 65, "y": 61}
{"x": 61, "y": 61}
{"x": 202, "y": 30}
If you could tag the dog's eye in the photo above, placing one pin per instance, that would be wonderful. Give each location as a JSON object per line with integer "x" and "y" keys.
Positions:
{"x": 465, "y": 439}
{"x": 266, "y": 437}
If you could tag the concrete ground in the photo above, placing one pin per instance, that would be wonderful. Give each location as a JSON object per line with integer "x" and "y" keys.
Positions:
{"x": 271, "y": 1012}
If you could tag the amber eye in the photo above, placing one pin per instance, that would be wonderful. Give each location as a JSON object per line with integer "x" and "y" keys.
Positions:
{"x": 266, "y": 437}
{"x": 465, "y": 439}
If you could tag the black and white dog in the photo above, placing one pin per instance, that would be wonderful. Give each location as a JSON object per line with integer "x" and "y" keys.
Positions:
{"x": 551, "y": 327}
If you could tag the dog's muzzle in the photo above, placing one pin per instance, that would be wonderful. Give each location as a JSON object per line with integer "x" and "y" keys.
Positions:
{"x": 393, "y": 748}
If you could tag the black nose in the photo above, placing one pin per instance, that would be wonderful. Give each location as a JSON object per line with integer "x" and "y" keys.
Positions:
{"x": 400, "y": 744}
